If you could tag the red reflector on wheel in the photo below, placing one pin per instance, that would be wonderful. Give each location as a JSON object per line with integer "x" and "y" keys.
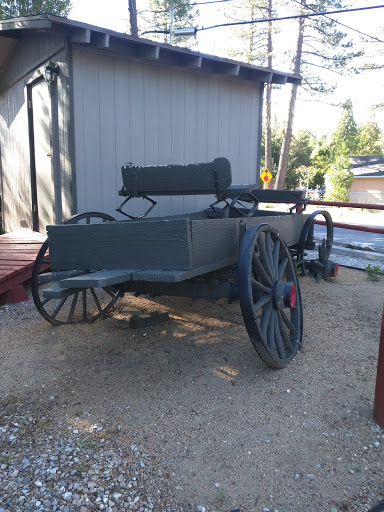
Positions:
{"x": 292, "y": 296}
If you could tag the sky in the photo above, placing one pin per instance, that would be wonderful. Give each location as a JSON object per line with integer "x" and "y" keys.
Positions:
{"x": 320, "y": 118}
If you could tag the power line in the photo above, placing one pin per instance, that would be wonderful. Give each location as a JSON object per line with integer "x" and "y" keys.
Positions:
{"x": 342, "y": 24}
{"x": 211, "y": 2}
{"x": 298, "y": 16}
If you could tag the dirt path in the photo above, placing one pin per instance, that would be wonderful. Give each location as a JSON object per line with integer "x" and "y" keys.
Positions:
{"x": 228, "y": 432}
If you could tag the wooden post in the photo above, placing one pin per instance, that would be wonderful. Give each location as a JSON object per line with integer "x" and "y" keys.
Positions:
{"x": 378, "y": 408}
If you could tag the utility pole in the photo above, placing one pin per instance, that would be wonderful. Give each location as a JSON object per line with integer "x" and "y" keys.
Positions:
{"x": 171, "y": 24}
{"x": 133, "y": 17}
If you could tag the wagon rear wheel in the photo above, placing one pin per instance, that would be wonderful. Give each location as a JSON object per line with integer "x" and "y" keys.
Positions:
{"x": 60, "y": 306}
{"x": 269, "y": 295}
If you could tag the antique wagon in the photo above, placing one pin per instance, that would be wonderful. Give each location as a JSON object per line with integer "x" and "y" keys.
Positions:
{"x": 230, "y": 250}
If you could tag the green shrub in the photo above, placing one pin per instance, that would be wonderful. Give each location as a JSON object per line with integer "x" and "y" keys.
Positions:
{"x": 338, "y": 180}
{"x": 374, "y": 272}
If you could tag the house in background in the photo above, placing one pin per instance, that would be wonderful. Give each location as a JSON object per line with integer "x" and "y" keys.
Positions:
{"x": 368, "y": 183}
{"x": 78, "y": 101}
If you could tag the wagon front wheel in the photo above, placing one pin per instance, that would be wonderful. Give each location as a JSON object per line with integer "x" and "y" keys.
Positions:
{"x": 269, "y": 295}
{"x": 65, "y": 306}
{"x": 310, "y": 240}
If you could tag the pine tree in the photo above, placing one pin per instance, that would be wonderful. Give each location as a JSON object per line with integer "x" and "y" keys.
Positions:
{"x": 371, "y": 140}
{"x": 20, "y": 8}
{"x": 256, "y": 48}
{"x": 253, "y": 38}
{"x": 168, "y": 14}
{"x": 319, "y": 45}
{"x": 345, "y": 139}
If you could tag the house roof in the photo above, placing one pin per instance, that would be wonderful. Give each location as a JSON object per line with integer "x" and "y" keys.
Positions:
{"x": 136, "y": 47}
{"x": 368, "y": 166}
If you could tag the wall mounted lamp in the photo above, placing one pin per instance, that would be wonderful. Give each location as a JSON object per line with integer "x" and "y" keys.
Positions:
{"x": 50, "y": 72}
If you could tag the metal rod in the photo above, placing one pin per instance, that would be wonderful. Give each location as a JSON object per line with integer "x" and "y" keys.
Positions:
{"x": 367, "y": 206}
{"x": 368, "y": 229}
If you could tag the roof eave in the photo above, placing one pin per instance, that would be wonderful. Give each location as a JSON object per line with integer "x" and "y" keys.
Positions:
{"x": 141, "y": 48}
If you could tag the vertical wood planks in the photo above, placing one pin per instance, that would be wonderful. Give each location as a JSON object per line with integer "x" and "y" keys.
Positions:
{"x": 91, "y": 132}
{"x": 107, "y": 130}
{"x": 157, "y": 116}
{"x": 178, "y": 141}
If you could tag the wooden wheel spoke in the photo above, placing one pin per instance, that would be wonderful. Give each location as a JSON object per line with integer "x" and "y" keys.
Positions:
{"x": 260, "y": 286}
{"x": 282, "y": 267}
{"x": 283, "y": 332}
{"x": 264, "y": 256}
{"x": 259, "y": 270}
{"x": 268, "y": 244}
{"x": 85, "y": 313}
{"x": 73, "y": 306}
{"x": 110, "y": 293}
{"x": 271, "y": 333}
{"x": 278, "y": 339}
{"x": 275, "y": 257}
{"x": 287, "y": 322}
{"x": 262, "y": 302}
{"x": 96, "y": 299}
{"x": 59, "y": 306}
{"x": 266, "y": 315}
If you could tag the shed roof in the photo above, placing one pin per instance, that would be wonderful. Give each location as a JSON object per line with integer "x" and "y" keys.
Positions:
{"x": 135, "y": 47}
{"x": 368, "y": 166}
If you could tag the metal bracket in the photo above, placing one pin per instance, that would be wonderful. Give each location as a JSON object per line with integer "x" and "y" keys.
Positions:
{"x": 119, "y": 209}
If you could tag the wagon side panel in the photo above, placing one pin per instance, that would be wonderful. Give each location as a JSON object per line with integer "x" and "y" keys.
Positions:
{"x": 289, "y": 226}
{"x": 121, "y": 245}
{"x": 214, "y": 242}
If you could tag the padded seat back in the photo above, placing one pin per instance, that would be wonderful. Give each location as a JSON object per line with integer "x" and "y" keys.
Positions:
{"x": 189, "y": 179}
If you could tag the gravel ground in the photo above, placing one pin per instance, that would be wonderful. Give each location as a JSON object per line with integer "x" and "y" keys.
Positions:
{"x": 183, "y": 416}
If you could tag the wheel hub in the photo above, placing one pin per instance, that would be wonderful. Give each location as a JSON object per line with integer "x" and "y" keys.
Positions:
{"x": 283, "y": 295}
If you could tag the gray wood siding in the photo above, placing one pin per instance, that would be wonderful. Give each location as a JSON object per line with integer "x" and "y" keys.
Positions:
{"x": 129, "y": 111}
{"x": 25, "y": 58}
{"x": 14, "y": 142}
{"x": 14, "y": 147}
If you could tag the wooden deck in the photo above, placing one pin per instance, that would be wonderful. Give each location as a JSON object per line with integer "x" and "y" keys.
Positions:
{"x": 18, "y": 251}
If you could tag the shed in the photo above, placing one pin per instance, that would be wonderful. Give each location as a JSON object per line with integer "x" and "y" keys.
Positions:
{"x": 78, "y": 101}
{"x": 368, "y": 183}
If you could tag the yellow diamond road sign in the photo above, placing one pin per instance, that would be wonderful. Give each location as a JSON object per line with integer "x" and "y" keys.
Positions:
{"x": 266, "y": 176}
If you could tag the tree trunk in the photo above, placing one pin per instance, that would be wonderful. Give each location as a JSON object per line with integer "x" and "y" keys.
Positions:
{"x": 133, "y": 17}
{"x": 284, "y": 153}
{"x": 268, "y": 100}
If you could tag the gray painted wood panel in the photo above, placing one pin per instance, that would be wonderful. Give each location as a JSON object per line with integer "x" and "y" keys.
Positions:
{"x": 200, "y": 178}
{"x": 108, "y": 160}
{"x": 153, "y": 247}
{"x": 26, "y": 58}
{"x": 15, "y": 164}
{"x": 214, "y": 241}
{"x": 97, "y": 279}
{"x": 122, "y": 245}
{"x": 159, "y": 116}
{"x": 15, "y": 159}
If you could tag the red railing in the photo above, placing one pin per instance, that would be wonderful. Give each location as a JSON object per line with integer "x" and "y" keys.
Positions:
{"x": 355, "y": 227}
{"x": 366, "y": 206}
